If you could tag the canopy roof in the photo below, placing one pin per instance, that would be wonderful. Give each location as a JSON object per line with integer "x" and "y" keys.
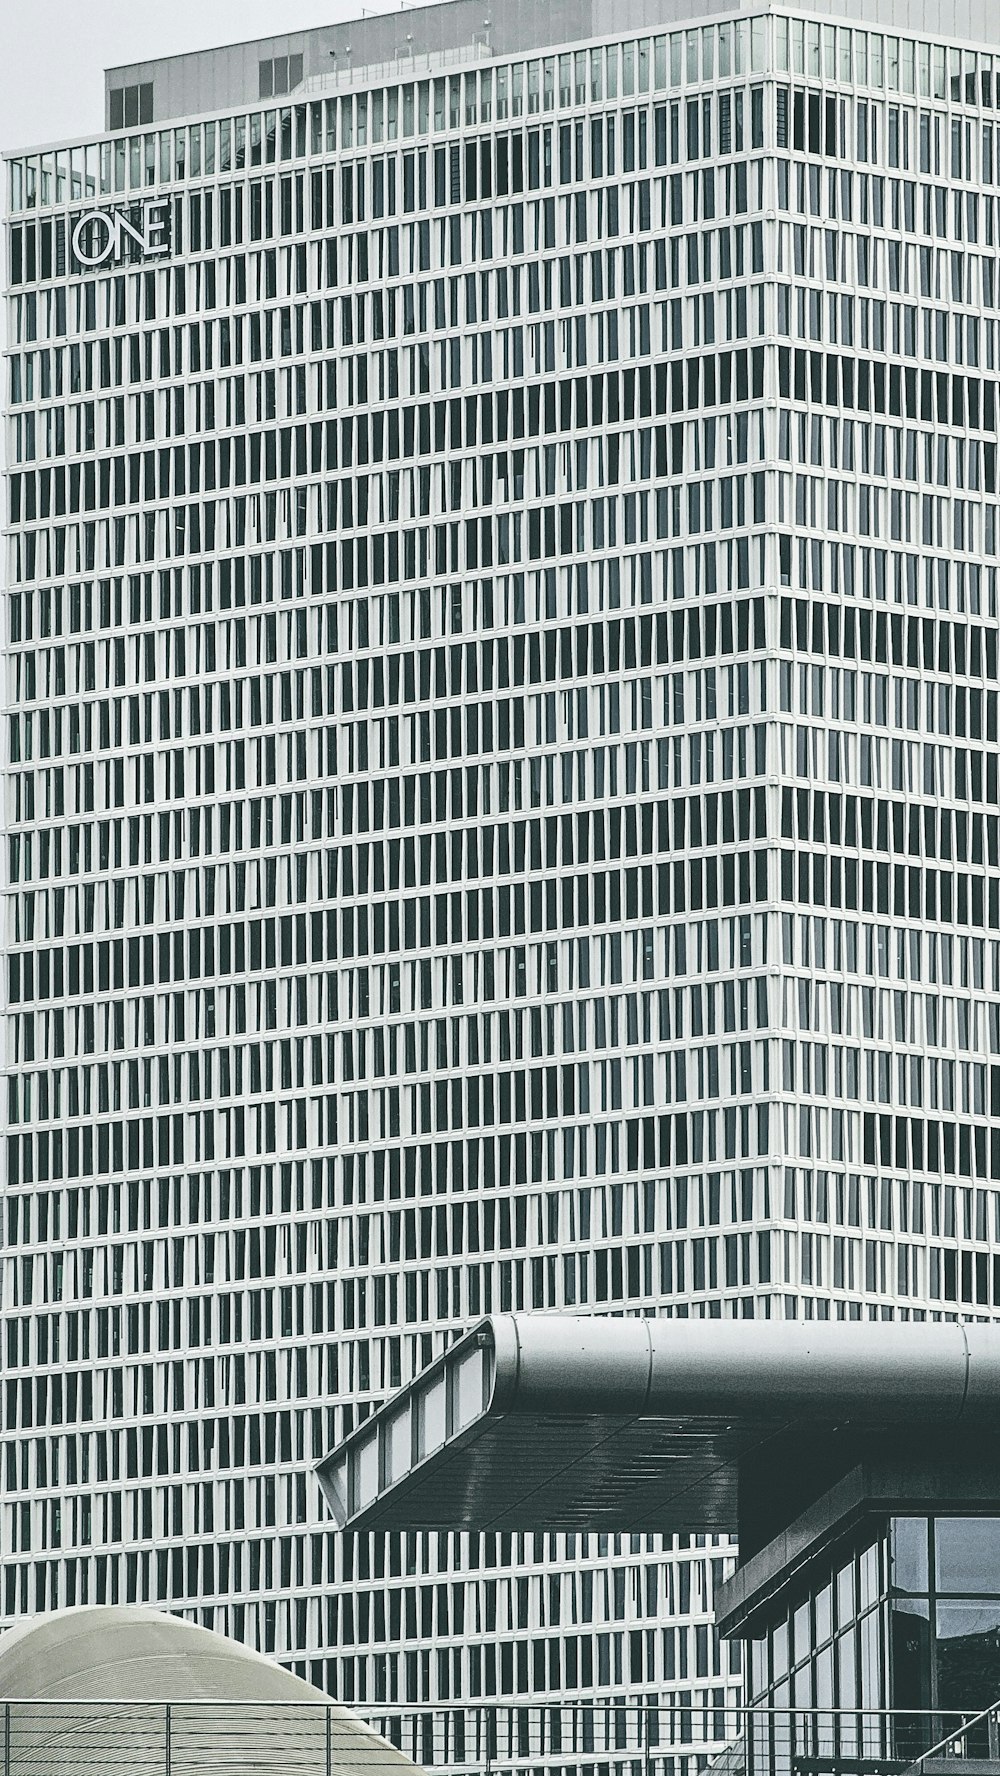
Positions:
{"x": 559, "y": 1422}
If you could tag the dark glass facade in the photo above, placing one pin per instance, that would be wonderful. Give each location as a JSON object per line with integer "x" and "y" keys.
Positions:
{"x": 880, "y": 1644}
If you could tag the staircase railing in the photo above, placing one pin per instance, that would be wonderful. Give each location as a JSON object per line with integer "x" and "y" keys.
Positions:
{"x": 974, "y": 1741}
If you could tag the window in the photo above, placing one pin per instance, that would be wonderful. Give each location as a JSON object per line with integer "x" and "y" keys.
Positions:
{"x": 281, "y": 75}
{"x": 130, "y": 105}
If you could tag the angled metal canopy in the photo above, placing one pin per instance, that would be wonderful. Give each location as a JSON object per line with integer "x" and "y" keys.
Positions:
{"x": 560, "y": 1422}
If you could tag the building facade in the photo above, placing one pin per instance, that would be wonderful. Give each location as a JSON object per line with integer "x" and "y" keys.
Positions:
{"x": 502, "y": 777}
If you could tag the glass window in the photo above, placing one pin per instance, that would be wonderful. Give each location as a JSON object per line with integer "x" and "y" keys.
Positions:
{"x": 758, "y": 1668}
{"x": 845, "y": 1595}
{"x": 824, "y": 1677}
{"x": 967, "y": 1554}
{"x": 628, "y": 70}
{"x": 801, "y": 1637}
{"x": 968, "y": 1653}
{"x": 871, "y": 1692}
{"x": 924, "y": 67}
{"x": 861, "y": 54}
{"x": 910, "y": 1634}
{"x": 596, "y": 70}
{"x": 708, "y": 51}
{"x": 829, "y": 41}
{"x": 824, "y": 1614}
{"x": 909, "y": 1569}
{"x": 847, "y": 1670}
{"x": 565, "y": 80}
{"x": 781, "y": 44}
{"x": 868, "y": 1570}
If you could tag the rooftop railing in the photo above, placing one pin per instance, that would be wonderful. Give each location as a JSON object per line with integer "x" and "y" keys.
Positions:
{"x": 406, "y": 64}
{"x": 49, "y": 1738}
{"x": 669, "y": 1739}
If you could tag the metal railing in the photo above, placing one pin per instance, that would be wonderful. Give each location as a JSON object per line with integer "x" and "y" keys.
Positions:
{"x": 49, "y": 1738}
{"x": 612, "y": 1739}
{"x": 97, "y": 1738}
{"x": 407, "y": 64}
{"x": 975, "y": 1741}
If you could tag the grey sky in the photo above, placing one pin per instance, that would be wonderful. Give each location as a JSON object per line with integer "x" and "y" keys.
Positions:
{"x": 53, "y": 52}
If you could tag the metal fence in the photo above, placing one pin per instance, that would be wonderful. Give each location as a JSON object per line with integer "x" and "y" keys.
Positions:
{"x": 51, "y": 1738}
{"x": 681, "y": 1740}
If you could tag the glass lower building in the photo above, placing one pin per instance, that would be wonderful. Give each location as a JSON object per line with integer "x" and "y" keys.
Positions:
{"x": 501, "y": 655}
{"x": 906, "y": 1617}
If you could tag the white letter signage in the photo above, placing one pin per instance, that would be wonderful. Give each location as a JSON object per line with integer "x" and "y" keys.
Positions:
{"x": 100, "y": 236}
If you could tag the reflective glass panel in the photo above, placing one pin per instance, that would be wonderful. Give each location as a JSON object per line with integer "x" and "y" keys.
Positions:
{"x": 909, "y": 1567}
{"x": 968, "y": 1554}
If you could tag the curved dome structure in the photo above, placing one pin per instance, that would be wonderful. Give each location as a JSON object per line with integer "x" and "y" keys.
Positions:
{"x": 117, "y": 1687}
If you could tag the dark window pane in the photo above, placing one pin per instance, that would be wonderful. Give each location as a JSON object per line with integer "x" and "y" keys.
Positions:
{"x": 266, "y": 70}
{"x": 117, "y": 107}
{"x": 911, "y": 1655}
{"x": 968, "y": 1554}
{"x": 294, "y": 71}
{"x": 146, "y": 102}
{"x": 131, "y": 105}
{"x": 968, "y": 1655}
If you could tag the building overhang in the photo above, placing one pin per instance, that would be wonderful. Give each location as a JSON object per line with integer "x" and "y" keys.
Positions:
{"x": 954, "y": 1475}
{"x": 569, "y": 1423}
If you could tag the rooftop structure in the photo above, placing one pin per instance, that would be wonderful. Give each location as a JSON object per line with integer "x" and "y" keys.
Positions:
{"x": 298, "y": 62}
{"x": 559, "y": 1422}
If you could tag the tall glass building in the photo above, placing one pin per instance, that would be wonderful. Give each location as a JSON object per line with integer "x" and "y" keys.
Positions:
{"x": 501, "y": 776}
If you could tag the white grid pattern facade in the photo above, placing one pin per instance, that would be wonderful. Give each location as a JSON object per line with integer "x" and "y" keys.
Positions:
{"x": 502, "y": 797}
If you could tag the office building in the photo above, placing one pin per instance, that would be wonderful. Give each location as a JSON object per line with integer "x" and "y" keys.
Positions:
{"x": 501, "y": 773}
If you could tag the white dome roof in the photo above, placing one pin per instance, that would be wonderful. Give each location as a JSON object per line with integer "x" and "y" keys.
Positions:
{"x": 91, "y": 1685}
{"x": 130, "y": 1652}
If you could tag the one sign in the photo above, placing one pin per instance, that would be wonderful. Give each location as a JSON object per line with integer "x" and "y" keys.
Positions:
{"x": 101, "y": 236}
